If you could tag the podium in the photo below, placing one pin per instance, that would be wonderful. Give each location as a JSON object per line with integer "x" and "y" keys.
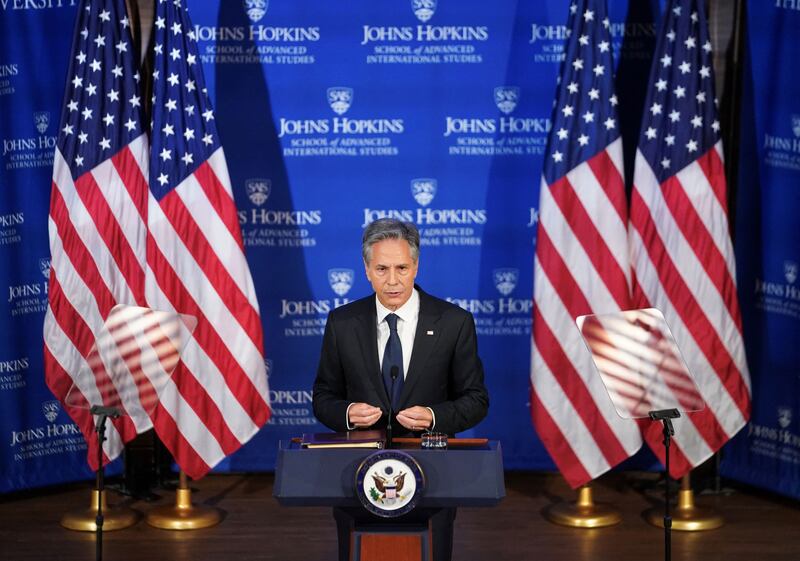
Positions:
{"x": 458, "y": 476}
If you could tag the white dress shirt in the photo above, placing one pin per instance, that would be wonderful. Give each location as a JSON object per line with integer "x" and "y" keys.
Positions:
{"x": 408, "y": 315}
{"x": 406, "y": 328}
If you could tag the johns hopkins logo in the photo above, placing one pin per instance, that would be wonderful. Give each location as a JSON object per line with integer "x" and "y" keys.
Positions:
{"x": 423, "y": 9}
{"x": 784, "y": 417}
{"x": 44, "y": 267}
{"x": 424, "y": 190}
{"x": 258, "y": 190}
{"x": 340, "y": 99}
{"x": 42, "y": 120}
{"x": 506, "y": 98}
{"x": 790, "y": 271}
{"x": 796, "y": 125}
{"x": 341, "y": 280}
{"x": 50, "y": 410}
{"x": 268, "y": 366}
{"x": 505, "y": 280}
{"x": 256, "y": 9}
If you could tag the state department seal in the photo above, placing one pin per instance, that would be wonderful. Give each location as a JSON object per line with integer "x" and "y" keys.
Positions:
{"x": 389, "y": 483}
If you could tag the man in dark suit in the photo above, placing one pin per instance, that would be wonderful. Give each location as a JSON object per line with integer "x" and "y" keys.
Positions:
{"x": 402, "y": 341}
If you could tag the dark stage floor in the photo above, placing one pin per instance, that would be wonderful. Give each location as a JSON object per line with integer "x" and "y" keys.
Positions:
{"x": 758, "y": 527}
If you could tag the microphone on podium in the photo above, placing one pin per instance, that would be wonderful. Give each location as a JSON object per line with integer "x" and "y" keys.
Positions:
{"x": 394, "y": 371}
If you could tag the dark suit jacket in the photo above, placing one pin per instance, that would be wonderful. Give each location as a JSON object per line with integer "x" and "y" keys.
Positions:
{"x": 445, "y": 372}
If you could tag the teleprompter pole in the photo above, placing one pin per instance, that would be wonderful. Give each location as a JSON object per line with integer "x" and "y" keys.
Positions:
{"x": 666, "y": 416}
{"x": 103, "y": 413}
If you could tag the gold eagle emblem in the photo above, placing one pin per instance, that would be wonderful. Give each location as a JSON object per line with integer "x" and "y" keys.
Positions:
{"x": 381, "y": 482}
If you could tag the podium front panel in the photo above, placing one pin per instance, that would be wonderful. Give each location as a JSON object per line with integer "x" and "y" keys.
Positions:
{"x": 326, "y": 477}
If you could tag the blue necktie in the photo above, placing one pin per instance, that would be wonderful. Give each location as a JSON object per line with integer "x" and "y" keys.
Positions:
{"x": 393, "y": 356}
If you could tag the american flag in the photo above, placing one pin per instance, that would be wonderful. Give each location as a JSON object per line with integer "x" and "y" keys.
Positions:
{"x": 681, "y": 249}
{"x": 175, "y": 247}
{"x": 581, "y": 264}
{"x": 218, "y": 398}
{"x": 97, "y": 221}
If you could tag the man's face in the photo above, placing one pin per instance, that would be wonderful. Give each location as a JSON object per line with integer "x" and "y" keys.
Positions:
{"x": 391, "y": 271}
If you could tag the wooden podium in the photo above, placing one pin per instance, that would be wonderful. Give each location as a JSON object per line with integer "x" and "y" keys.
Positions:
{"x": 470, "y": 475}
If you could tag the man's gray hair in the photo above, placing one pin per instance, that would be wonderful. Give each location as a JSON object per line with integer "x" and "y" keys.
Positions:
{"x": 389, "y": 229}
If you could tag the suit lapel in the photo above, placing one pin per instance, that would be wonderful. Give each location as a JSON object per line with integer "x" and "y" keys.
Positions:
{"x": 425, "y": 339}
{"x": 368, "y": 341}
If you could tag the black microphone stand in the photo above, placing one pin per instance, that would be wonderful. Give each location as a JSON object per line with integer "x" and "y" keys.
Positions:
{"x": 103, "y": 413}
{"x": 666, "y": 416}
{"x": 393, "y": 373}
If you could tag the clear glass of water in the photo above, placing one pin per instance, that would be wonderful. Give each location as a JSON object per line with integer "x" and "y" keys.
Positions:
{"x": 434, "y": 440}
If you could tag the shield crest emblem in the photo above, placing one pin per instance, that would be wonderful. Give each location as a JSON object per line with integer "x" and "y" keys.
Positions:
{"x": 389, "y": 483}
{"x": 784, "y": 417}
{"x": 256, "y": 9}
{"x": 258, "y": 190}
{"x": 796, "y": 125}
{"x": 340, "y": 99}
{"x": 423, "y": 9}
{"x": 50, "y": 410}
{"x": 44, "y": 267}
{"x": 42, "y": 120}
{"x": 341, "y": 280}
{"x": 505, "y": 280}
{"x": 506, "y": 98}
{"x": 424, "y": 190}
{"x": 790, "y": 271}
{"x": 268, "y": 366}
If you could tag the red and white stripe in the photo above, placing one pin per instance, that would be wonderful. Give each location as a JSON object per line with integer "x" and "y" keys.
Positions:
{"x": 97, "y": 245}
{"x": 112, "y": 242}
{"x": 218, "y": 397}
{"x": 581, "y": 268}
{"x": 684, "y": 265}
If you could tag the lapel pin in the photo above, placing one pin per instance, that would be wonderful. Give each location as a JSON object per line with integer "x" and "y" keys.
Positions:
{"x": 429, "y": 333}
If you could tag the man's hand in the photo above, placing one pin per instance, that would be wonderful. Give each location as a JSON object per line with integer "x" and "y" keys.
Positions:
{"x": 363, "y": 415}
{"x": 415, "y": 418}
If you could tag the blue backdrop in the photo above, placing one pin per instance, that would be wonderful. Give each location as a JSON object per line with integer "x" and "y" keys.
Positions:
{"x": 767, "y": 452}
{"x": 331, "y": 115}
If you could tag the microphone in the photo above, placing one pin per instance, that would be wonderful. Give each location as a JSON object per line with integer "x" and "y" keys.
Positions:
{"x": 394, "y": 371}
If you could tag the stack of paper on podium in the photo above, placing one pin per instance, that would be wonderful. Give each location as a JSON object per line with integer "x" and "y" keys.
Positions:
{"x": 353, "y": 439}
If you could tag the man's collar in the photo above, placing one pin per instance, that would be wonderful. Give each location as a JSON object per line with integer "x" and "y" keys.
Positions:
{"x": 406, "y": 312}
